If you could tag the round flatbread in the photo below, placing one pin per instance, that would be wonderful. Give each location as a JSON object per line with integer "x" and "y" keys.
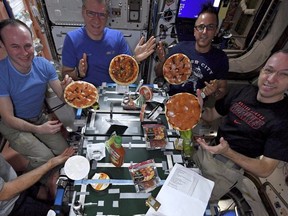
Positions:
{"x": 177, "y": 69}
{"x": 123, "y": 69}
{"x": 100, "y": 186}
{"x": 80, "y": 94}
{"x": 182, "y": 111}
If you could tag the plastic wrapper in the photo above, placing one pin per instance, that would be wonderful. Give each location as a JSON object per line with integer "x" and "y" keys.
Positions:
{"x": 133, "y": 101}
{"x": 144, "y": 176}
{"x": 155, "y": 136}
{"x": 96, "y": 151}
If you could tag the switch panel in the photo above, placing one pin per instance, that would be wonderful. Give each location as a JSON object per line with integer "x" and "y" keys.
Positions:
{"x": 134, "y": 10}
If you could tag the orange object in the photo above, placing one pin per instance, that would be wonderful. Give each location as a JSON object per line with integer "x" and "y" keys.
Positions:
{"x": 117, "y": 152}
{"x": 146, "y": 92}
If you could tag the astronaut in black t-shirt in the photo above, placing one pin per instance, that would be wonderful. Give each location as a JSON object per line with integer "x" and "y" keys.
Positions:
{"x": 253, "y": 133}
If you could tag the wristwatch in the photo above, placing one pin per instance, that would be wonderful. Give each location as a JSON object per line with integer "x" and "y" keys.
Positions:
{"x": 203, "y": 94}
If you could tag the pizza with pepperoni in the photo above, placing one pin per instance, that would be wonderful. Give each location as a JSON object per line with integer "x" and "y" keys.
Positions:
{"x": 123, "y": 69}
{"x": 177, "y": 69}
{"x": 81, "y": 94}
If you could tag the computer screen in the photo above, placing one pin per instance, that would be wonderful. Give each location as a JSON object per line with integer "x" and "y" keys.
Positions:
{"x": 189, "y": 9}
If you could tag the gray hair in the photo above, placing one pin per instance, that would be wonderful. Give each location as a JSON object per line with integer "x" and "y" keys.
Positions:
{"x": 104, "y": 2}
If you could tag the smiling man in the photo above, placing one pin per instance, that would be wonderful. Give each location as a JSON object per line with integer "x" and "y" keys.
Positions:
{"x": 23, "y": 83}
{"x": 88, "y": 51}
{"x": 208, "y": 62}
{"x": 253, "y": 134}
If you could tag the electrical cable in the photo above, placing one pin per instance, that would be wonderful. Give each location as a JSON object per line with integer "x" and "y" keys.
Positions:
{"x": 53, "y": 109}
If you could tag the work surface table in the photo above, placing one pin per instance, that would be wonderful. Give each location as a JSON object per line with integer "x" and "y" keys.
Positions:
{"x": 120, "y": 198}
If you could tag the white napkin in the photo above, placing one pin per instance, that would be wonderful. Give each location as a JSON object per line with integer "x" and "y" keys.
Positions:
{"x": 96, "y": 151}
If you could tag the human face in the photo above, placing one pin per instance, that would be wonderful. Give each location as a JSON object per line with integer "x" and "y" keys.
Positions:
{"x": 18, "y": 43}
{"x": 95, "y": 18}
{"x": 204, "y": 31}
{"x": 273, "y": 79}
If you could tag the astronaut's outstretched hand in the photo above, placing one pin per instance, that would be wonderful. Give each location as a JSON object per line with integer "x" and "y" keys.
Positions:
{"x": 220, "y": 148}
{"x": 144, "y": 50}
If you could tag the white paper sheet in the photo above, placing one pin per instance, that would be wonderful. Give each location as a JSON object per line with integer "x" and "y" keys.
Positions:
{"x": 184, "y": 193}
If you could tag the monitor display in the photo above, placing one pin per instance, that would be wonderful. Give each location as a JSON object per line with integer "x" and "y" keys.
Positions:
{"x": 189, "y": 9}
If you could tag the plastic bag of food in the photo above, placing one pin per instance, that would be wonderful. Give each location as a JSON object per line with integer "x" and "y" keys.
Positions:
{"x": 144, "y": 176}
{"x": 155, "y": 136}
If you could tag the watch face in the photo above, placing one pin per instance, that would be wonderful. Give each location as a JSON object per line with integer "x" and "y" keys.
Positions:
{"x": 203, "y": 95}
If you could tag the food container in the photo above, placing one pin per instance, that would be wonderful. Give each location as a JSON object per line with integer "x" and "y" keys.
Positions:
{"x": 155, "y": 136}
{"x": 144, "y": 176}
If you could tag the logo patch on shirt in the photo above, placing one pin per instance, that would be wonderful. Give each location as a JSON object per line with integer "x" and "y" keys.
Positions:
{"x": 253, "y": 119}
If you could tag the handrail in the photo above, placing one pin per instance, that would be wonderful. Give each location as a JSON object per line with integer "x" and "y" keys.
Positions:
{"x": 265, "y": 184}
{"x": 261, "y": 23}
{"x": 254, "y": 39}
{"x": 262, "y": 193}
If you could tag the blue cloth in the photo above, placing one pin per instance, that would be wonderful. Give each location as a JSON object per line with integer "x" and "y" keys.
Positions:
{"x": 99, "y": 52}
{"x": 205, "y": 67}
{"x": 253, "y": 128}
{"x": 27, "y": 91}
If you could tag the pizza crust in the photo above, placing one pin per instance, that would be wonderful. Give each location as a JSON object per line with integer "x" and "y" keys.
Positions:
{"x": 80, "y": 94}
{"x": 177, "y": 69}
{"x": 182, "y": 111}
{"x": 123, "y": 69}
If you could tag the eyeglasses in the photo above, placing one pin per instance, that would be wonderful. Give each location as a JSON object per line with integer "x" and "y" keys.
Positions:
{"x": 93, "y": 14}
{"x": 281, "y": 74}
{"x": 209, "y": 27}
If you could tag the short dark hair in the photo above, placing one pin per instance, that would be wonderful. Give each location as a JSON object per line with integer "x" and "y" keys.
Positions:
{"x": 209, "y": 8}
{"x": 12, "y": 22}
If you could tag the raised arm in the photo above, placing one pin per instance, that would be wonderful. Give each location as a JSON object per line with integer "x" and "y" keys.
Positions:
{"x": 58, "y": 87}
{"x": 79, "y": 72}
{"x": 216, "y": 87}
{"x": 144, "y": 50}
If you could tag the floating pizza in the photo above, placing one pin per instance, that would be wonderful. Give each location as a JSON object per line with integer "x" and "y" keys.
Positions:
{"x": 80, "y": 94}
{"x": 177, "y": 69}
{"x": 183, "y": 111}
{"x": 123, "y": 69}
